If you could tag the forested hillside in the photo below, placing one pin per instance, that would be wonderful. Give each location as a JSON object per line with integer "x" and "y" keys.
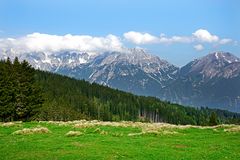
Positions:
{"x": 50, "y": 96}
{"x": 68, "y": 99}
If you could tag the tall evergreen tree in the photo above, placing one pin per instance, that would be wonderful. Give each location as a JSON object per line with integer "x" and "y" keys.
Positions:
{"x": 6, "y": 91}
{"x": 213, "y": 119}
{"x": 19, "y": 94}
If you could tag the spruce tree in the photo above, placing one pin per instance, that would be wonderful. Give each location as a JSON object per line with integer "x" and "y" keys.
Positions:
{"x": 20, "y": 96}
{"x": 28, "y": 98}
{"x": 6, "y": 91}
{"x": 213, "y": 119}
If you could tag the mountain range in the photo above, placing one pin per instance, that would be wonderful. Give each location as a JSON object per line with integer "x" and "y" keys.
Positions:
{"x": 211, "y": 81}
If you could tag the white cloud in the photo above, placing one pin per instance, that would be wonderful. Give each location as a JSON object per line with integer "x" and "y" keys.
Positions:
{"x": 225, "y": 41}
{"x": 52, "y": 43}
{"x": 204, "y": 36}
{"x": 200, "y": 35}
{"x": 140, "y": 38}
{"x": 146, "y": 38}
{"x": 198, "y": 47}
{"x": 38, "y": 42}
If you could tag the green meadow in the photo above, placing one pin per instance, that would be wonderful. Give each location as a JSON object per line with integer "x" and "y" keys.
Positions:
{"x": 117, "y": 140}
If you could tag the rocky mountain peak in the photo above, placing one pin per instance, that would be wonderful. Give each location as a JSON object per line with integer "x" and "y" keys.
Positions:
{"x": 224, "y": 57}
{"x": 211, "y": 65}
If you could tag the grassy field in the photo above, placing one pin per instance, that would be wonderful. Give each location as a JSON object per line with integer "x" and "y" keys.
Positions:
{"x": 117, "y": 140}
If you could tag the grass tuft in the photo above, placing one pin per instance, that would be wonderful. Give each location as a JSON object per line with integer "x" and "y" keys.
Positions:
{"x": 233, "y": 129}
{"x": 11, "y": 124}
{"x": 97, "y": 130}
{"x": 135, "y": 134}
{"x": 74, "y": 133}
{"x": 117, "y": 134}
{"x": 104, "y": 133}
{"x": 27, "y": 131}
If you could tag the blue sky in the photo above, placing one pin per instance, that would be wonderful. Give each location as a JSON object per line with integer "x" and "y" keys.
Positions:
{"x": 96, "y": 18}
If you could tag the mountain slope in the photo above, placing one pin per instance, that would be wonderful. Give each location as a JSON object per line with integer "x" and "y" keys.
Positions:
{"x": 211, "y": 81}
{"x": 51, "y": 61}
{"x": 135, "y": 71}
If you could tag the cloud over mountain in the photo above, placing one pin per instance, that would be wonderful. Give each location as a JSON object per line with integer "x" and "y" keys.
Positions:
{"x": 38, "y": 42}
{"x": 200, "y": 35}
{"x": 204, "y": 36}
{"x": 140, "y": 38}
{"x": 146, "y": 38}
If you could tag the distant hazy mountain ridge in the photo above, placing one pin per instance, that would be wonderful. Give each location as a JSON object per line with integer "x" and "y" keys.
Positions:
{"x": 213, "y": 80}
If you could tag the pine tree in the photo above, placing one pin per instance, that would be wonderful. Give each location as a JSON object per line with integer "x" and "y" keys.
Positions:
{"x": 29, "y": 94}
{"x": 6, "y": 91}
{"x": 213, "y": 119}
{"x": 20, "y": 97}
